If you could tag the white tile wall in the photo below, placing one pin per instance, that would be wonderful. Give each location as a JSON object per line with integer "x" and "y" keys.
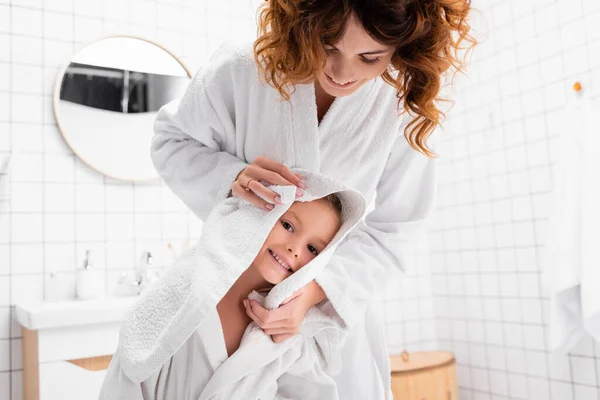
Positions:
{"x": 60, "y": 207}
{"x": 488, "y": 233}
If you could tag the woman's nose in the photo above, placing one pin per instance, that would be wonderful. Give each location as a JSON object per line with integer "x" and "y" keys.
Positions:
{"x": 341, "y": 72}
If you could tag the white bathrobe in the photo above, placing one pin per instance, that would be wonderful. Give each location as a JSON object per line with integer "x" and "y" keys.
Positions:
{"x": 171, "y": 344}
{"x": 229, "y": 116}
{"x": 571, "y": 265}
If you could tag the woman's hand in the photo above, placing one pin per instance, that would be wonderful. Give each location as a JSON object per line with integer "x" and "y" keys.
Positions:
{"x": 265, "y": 170}
{"x": 284, "y": 322}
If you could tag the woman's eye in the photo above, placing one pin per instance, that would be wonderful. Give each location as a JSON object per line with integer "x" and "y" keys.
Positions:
{"x": 311, "y": 248}
{"x": 370, "y": 61}
{"x": 330, "y": 50}
{"x": 286, "y": 225}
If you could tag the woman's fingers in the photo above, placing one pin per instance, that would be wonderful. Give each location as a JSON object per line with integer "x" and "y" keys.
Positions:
{"x": 287, "y": 176}
{"x": 258, "y": 188}
{"x": 238, "y": 191}
{"x": 264, "y": 170}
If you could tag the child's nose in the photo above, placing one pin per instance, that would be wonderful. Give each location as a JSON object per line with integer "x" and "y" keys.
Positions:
{"x": 292, "y": 252}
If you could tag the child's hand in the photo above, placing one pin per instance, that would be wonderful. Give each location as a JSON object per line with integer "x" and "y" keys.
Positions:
{"x": 284, "y": 322}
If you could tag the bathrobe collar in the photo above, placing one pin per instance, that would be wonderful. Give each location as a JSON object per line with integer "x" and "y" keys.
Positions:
{"x": 307, "y": 133}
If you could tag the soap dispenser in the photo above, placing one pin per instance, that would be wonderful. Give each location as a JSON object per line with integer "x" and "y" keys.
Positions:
{"x": 86, "y": 287}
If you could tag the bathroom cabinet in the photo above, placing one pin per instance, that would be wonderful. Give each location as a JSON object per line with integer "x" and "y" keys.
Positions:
{"x": 67, "y": 346}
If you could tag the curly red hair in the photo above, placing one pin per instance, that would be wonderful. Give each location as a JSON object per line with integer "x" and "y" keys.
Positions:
{"x": 427, "y": 36}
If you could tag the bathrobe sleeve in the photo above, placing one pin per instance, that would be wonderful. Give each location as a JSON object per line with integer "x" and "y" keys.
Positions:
{"x": 194, "y": 138}
{"x": 118, "y": 386}
{"x": 375, "y": 249}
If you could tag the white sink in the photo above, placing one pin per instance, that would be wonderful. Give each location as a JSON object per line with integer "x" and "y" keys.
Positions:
{"x": 44, "y": 315}
{"x": 57, "y": 334}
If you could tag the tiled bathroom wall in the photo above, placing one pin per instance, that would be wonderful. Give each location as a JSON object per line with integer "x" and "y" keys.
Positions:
{"x": 488, "y": 234}
{"x": 57, "y": 207}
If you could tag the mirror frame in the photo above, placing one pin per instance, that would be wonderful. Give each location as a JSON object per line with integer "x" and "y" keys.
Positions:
{"x": 56, "y": 99}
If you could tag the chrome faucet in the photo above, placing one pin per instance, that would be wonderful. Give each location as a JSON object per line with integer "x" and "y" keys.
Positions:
{"x": 134, "y": 284}
{"x": 141, "y": 272}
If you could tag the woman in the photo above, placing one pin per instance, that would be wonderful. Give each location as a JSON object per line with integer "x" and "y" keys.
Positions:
{"x": 346, "y": 88}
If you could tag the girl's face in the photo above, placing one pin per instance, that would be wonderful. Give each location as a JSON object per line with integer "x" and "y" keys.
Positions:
{"x": 298, "y": 236}
{"x": 354, "y": 60}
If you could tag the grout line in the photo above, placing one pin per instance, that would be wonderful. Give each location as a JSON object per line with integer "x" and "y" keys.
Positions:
{"x": 12, "y": 312}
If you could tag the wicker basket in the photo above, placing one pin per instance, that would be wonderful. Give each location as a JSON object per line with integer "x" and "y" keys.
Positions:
{"x": 427, "y": 375}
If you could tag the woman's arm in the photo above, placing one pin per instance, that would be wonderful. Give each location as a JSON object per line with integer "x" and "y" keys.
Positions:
{"x": 371, "y": 252}
{"x": 194, "y": 138}
{"x": 375, "y": 249}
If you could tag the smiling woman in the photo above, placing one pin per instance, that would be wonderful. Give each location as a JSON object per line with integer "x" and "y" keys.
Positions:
{"x": 345, "y": 44}
{"x": 353, "y": 60}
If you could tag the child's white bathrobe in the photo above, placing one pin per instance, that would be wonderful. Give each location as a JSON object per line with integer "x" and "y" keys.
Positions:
{"x": 228, "y": 117}
{"x": 164, "y": 319}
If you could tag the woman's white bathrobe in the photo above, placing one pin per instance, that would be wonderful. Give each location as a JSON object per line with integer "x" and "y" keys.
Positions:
{"x": 229, "y": 116}
{"x": 171, "y": 344}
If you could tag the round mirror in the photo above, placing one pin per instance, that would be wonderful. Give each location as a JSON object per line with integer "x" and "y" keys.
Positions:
{"x": 106, "y": 98}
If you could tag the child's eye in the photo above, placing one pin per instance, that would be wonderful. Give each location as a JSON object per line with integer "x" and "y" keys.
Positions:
{"x": 286, "y": 225}
{"x": 311, "y": 248}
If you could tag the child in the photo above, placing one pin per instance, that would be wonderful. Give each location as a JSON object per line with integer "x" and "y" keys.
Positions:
{"x": 190, "y": 337}
{"x": 297, "y": 237}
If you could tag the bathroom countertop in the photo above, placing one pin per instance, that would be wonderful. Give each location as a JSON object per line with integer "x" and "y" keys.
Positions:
{"x": 45, "y": 315}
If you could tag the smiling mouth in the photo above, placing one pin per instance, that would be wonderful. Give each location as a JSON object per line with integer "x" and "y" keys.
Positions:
{"x": 338, "y": 85}
{"x": 280, "y": 261}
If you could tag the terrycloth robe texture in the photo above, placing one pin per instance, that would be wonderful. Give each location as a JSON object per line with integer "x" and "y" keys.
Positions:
{"x": 228, "y": 117}
{"x": 166, "y": 316}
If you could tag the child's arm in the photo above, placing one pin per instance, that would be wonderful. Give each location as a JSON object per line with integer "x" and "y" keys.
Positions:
{"x": 234, "y": 322}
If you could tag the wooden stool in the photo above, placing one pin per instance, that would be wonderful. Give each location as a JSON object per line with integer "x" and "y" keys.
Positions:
{"x": 429, "y": 375}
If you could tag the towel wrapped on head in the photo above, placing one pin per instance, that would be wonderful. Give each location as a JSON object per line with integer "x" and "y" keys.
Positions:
{"x": 233, "y": 234}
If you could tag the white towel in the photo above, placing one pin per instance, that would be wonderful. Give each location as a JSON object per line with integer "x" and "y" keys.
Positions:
{"x": 300, "y": 368}
{"x": 571, "y": 257}
{"x": 165, "y": 317}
